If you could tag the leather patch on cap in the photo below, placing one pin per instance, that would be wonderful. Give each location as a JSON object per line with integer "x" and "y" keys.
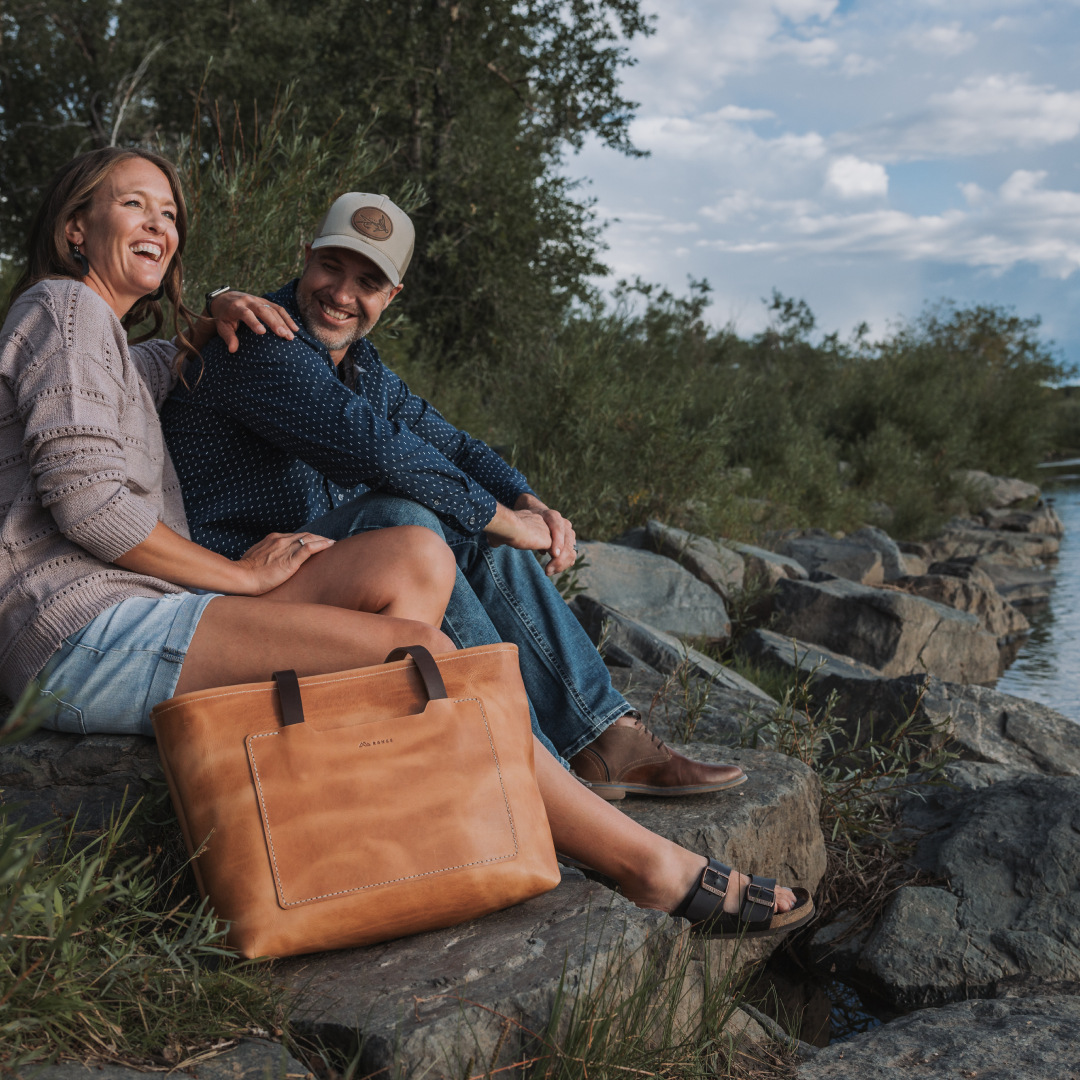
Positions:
{"x": 371, "y": 222}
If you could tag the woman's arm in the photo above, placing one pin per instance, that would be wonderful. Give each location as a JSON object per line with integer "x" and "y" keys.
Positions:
{"x": 167, "y": 555}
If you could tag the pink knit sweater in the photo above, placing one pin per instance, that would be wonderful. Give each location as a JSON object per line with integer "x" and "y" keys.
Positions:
{"x": 84, "y": 471}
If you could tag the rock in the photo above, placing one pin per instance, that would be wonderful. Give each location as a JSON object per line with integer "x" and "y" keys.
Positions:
{"x": 887, "y": 629}
{"x": 914, "y": 565}
{"x": 658, "y": 650}
{"x": 252, "y": 1059}
{"x": 975, "y": 594}
{"x": 1018, "y": 586}
{"x": 964, "y": 537}
{"x": 1043, "y": 519}
{"x": 57, "y": 774}
{"x": 892, "y": 559}
{"x": 653, "y": 590}
{"x": 1011, "y": 855}
{"x": 764, "y": 565}
{"x": 463, "y": 1001}
{"x": 999, "y": 491}
{"x": 834, "y": 948}
{"x": 768, "y": 826}
{"x": 1022, "y": 1039}
{"x": 820, "y": 552}
{"x": 636, "y": 538}
{"x": 718, "y": 567}
{"x": 702, "y": 709}
{"x": 985, "y": 725}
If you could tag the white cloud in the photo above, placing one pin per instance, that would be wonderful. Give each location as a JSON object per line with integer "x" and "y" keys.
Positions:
{"x": 712, "y": 136}
{"x": 854, "y": 64}
{"x": 981, "y": 116}
{"x": 948, "y": 40}
{"x": 852, "y": 178}
{"x": 1023, "y": 222}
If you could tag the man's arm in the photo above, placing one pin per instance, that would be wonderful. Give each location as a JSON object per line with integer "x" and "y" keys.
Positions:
{"x": 286, "y": 393}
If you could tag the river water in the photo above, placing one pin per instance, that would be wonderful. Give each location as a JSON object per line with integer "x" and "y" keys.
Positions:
{"x": 1047, "y": 668}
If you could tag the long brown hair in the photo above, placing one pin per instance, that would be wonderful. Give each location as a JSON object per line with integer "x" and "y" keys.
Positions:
{"x": 70, "y": 191}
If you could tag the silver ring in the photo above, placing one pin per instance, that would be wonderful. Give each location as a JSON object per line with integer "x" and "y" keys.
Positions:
{"x": 300, "y": 541}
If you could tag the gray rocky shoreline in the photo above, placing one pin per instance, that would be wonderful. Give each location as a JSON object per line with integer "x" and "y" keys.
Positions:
{"x": 987, "y": 959}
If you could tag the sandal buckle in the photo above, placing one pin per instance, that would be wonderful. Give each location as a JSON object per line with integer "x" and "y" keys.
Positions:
{"x": 760, "y": 894}
{"x": 719, "y": 878}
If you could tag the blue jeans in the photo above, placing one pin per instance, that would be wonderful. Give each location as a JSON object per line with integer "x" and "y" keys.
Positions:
{"x": 502, "y": 594}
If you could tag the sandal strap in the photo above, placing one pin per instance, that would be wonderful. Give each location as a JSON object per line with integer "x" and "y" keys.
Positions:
{"x": 758, "y": 904}
{"x": 712, "y": 886}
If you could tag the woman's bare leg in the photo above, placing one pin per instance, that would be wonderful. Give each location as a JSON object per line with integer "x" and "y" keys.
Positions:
{"x": 323, "y": 618}
{"x": 406, "y": 571}
{"x": 652, "y": 872}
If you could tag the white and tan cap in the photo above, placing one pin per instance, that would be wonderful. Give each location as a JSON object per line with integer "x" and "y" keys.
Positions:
{"x": 373, "y": 226}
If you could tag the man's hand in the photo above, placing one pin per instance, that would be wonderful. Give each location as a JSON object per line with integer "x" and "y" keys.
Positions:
{"x": 231, "y": 309}
{"x": 561, "y": 547}
{"x": 521, "y": 529}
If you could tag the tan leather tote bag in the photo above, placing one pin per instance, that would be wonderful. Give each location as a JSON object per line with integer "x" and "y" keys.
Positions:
{"x": 341, "y": 810}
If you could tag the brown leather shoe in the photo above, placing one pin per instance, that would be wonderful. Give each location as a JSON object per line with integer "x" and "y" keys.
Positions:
{"x": 632, "y": 759}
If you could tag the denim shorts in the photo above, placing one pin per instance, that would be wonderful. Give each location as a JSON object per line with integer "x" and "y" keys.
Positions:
{"x": 106, "y": 677}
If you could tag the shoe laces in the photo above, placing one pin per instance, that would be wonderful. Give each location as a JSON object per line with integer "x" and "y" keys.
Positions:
{"x": 656, "y": 740}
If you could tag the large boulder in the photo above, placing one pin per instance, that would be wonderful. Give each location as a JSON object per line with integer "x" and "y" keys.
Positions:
{"x": 653, "y": 590}
{"x": 766, "y": 566}
{"x": 250, "y": 1059}
{"x": 974, "y": 593}
{"x": 1009, "y": 1039}
{"x": 1043, "y": 519}
{"x": 890, "y": 630}
{"x": 984, "y": 725}
{"x": 719, "y": 567}
{"x": 1020, "y": 586}
{"x": 56, "y": 775}
{"x": 823, "y": 554}
{"x": 999, "y": 491}
{"x": 618, "y": 633}
{"x": 966, "y": 537}
{"x": 695, "y": 707}
{"x": 455, "y": 1002}
{"x": 1010, "y": 853}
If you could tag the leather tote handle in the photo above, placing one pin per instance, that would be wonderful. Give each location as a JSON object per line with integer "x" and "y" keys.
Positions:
{"x": 292, "y": 705}
{"x": 425, "y": 663}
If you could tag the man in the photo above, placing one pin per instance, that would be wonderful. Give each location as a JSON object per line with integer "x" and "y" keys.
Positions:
{"x": 314, "y": 433}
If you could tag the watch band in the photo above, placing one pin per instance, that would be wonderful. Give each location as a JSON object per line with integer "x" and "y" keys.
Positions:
{"x": 212, "y": 296}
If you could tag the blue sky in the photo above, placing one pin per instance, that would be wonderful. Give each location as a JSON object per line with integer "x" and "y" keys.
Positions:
{"x": 865, "y": 156}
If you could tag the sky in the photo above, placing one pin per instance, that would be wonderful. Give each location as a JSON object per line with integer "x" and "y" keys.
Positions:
{"x": 868, "y": 157}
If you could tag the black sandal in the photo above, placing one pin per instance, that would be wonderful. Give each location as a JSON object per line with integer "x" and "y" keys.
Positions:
{"x": 758, "y": 917}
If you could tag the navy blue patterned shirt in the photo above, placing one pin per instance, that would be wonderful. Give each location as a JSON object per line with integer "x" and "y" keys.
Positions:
{"x": 270, "y": 438}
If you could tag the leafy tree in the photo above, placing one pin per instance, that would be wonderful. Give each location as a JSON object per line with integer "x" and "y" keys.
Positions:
{"x": 477, "y": 101}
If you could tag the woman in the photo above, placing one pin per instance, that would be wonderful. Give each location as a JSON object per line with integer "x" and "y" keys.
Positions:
{"x": 105, "y": 600}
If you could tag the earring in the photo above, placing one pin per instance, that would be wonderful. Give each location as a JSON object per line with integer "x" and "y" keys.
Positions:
{"x": 156, "y": 295}
{"x": 81, "y": 261}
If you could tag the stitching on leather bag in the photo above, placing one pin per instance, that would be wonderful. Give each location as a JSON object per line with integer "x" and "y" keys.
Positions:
{"x": 369, "y": 675}
{"x": 389, "y": 881}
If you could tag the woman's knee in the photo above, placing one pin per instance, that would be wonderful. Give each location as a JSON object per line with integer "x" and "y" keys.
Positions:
{"x": 430, "y": 557}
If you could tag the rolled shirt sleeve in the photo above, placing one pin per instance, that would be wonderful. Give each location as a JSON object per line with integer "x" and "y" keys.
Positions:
{"x": 76, "y": 453}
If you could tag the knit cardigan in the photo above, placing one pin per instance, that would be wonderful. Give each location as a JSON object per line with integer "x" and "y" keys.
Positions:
{"x": 84, "y": 471}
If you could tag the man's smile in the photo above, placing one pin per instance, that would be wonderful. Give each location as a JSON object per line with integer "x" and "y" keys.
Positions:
{"x": 338, "y": 315}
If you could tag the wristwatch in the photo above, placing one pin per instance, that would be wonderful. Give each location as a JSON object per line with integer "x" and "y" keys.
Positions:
{"x": 212, "y": 296}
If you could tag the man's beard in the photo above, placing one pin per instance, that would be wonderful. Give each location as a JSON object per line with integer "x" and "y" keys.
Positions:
{"x": 309, "y": 315}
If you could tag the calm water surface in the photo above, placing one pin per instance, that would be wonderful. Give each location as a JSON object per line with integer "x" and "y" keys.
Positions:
{"x": 1047, "y": 668}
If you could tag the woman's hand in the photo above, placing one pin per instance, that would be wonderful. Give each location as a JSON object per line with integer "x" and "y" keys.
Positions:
{"x": 276, "y": 557}
{"x": 167, "y": 555}
{"x": 231, "y": 309}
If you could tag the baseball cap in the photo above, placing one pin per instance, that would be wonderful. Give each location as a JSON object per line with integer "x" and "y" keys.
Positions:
{"x": 373, "y": 226}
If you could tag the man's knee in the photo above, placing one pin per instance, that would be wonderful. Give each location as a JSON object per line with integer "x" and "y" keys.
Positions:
{"x": 389, "y": 511}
